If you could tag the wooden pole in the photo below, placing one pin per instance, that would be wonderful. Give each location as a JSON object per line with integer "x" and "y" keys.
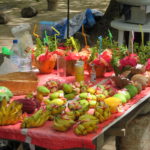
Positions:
{"x": 68, "y": 17}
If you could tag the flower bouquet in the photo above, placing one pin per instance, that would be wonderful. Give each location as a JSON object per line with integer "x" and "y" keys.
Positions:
{"x": 73, "y": 54}
{"x": 45, "y": 62}
{"x": 43, "y": 57}
{"x": 101, "y": 62}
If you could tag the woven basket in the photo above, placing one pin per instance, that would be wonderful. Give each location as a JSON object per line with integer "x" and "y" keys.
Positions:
{"x": 20, "y": 83}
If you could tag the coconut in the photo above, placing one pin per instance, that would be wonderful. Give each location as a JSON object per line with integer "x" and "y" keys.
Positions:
{"x": 141, "y": 79}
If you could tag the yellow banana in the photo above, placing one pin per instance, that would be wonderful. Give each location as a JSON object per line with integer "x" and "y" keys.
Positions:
{"x": 59, "y": 127}
{"x": 101, "y": 118}
{"x": 4, "y": 103}
{"x": 90, "y": 129}
{"x": 77, "y": 131}
{"x": 37, "y": 114}
{"x": 81, "y": 127}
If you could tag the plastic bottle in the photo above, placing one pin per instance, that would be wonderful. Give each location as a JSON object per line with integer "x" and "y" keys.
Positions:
{"x": 15, "y": 54}
{"x": 23, "y": 35}
{"x": 20, "y": 58}
{"x": 25, "y": 62}
{"x": 79, "y": 71}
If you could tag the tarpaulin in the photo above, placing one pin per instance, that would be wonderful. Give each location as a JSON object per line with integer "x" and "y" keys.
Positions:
{"x": 85, "y": 18}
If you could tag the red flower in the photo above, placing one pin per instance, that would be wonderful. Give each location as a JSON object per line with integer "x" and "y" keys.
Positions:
{"x": 44, "y": 56}
{"x": 148, "y": 64}
{"x": 104, "y": 58}
{"x": 59, "y": 52}
{"x": 62, "y": 47}
{"x": 130, "y": 61}
{"x": 72, "y": 56}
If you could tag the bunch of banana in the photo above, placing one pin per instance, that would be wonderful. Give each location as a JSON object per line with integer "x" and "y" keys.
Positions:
{"x": 36, "y": 120}
{"x": 102, "y": 111}
{"x": 87, "y": 124}
{"x": 62, "y": 124}
{"x": 10, "y": 113}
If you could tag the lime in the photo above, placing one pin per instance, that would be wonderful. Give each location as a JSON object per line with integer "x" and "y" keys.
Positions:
{"x": 131, "y": 89}
{"x": 121, "y": 96}
{"x": 126, "y": 94}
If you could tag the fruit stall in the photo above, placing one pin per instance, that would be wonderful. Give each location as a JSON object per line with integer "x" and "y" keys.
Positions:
{"x": 72, "y": 104}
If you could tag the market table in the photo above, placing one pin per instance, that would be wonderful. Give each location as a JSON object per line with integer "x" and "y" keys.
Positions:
{"x": 46, "y": 137}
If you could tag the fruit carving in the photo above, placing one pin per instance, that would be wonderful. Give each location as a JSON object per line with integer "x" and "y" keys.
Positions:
{"x": 52, "y": 85}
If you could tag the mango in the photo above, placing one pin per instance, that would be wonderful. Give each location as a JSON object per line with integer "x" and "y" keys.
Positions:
{"x": 94, "y": 97}
{"x": 67, "y": 88}
{"x": 55, "y": 95}
{"x": 57, "y": 101}
{"x": 84, "y": 102}
{"x": 92, "y": 103}
{"x": 43, "y": 90}
{"x": 69, "y": 96}
{"x": 100, "y": 97}
{"x": 83, "y": 89}
{"x": 83, "y": 95}
{"x": 91, "y": 90}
